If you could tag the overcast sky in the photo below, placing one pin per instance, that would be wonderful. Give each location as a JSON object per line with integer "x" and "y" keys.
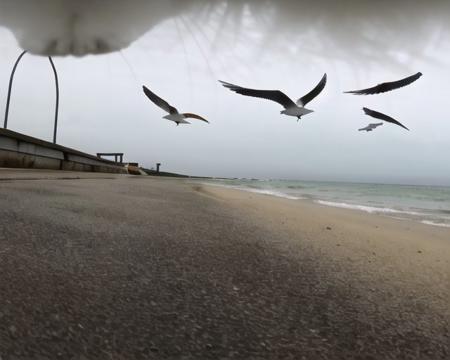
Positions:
{"x": 103, "y": 109}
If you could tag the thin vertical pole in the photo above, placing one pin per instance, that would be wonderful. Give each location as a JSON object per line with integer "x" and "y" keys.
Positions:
{"x": 11, "y": 79}
{"x": 57, "y": 99}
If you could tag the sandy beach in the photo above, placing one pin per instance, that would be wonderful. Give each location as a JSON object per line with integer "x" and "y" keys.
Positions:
{"x": 144, "y": 268}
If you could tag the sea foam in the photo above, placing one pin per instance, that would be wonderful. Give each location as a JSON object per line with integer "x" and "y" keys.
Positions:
{"x": 427, "y": 222}
{"x": 258, "y": 191}
{"x": 369, "y": 209}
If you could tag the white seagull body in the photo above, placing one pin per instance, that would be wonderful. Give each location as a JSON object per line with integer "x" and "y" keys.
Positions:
{"x": 370, "y": 127}
{"x": 177, "y": 118}
{"x": 174, "y": 115}
{"x": 296, "y": 111}
{"x": 291, "y": 108}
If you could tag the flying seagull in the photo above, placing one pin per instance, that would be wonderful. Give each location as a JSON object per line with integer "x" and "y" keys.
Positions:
{"x": 387, "y": 86}
{"x": 381, "y": 116}
{"x": 370, "y": 127}
{"x": 174, "y": 115}
{"x": 290, "y": 107}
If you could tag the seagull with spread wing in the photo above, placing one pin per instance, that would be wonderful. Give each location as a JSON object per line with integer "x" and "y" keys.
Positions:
{"x": 290, "y": 107}
{"x": 174, "y": 115}
{"x": 384, "y": 117}
{"x": 370, "y": 127}
{"x": 386, "y": 86}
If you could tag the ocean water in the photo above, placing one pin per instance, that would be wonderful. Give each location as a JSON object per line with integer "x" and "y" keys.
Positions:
{"x": 427, "y": 204}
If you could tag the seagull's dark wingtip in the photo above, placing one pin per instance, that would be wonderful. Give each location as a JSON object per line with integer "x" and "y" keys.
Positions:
{"x": 227, "y": 84}
{"x": 354, "y": 92}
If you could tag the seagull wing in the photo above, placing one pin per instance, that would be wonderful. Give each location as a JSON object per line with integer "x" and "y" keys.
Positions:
{"x": 381, "y": 116}
{"x": 314, "y": 92}
{"x": 274, "y": 95}
{"x": 387, "y": 86}
{"x": 370, "y": 127}
{"x": 194, "y": 116}
{"x": 159, "y": 102}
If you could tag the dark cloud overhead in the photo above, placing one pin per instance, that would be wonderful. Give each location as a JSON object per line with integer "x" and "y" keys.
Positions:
{"x": 368, "y": 29}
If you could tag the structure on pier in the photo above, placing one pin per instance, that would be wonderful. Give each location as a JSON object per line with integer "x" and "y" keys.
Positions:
{"x": 118, "y": 157}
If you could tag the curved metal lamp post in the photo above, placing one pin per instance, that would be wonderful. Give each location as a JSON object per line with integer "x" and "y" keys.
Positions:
{"x": 55, "y": 126}
{"x": 11, "y": 79}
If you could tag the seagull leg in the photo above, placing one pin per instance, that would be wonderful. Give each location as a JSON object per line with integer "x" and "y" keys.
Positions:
{"x": 298, "y": 118}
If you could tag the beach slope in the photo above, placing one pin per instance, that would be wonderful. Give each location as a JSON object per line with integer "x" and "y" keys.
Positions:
{"x": 137, "y": 267}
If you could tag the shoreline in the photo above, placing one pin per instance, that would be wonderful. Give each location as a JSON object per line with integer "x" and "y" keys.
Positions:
{"x": 341, "y": 204}
{"x": 410, "y": 252}
{"x": 240, "y": 197}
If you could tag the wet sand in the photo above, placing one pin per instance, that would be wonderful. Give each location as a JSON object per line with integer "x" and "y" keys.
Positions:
{"x": 145, "y": 268}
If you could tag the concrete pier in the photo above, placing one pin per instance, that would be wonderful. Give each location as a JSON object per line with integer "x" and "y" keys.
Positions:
{"x": 22, "y": 151}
